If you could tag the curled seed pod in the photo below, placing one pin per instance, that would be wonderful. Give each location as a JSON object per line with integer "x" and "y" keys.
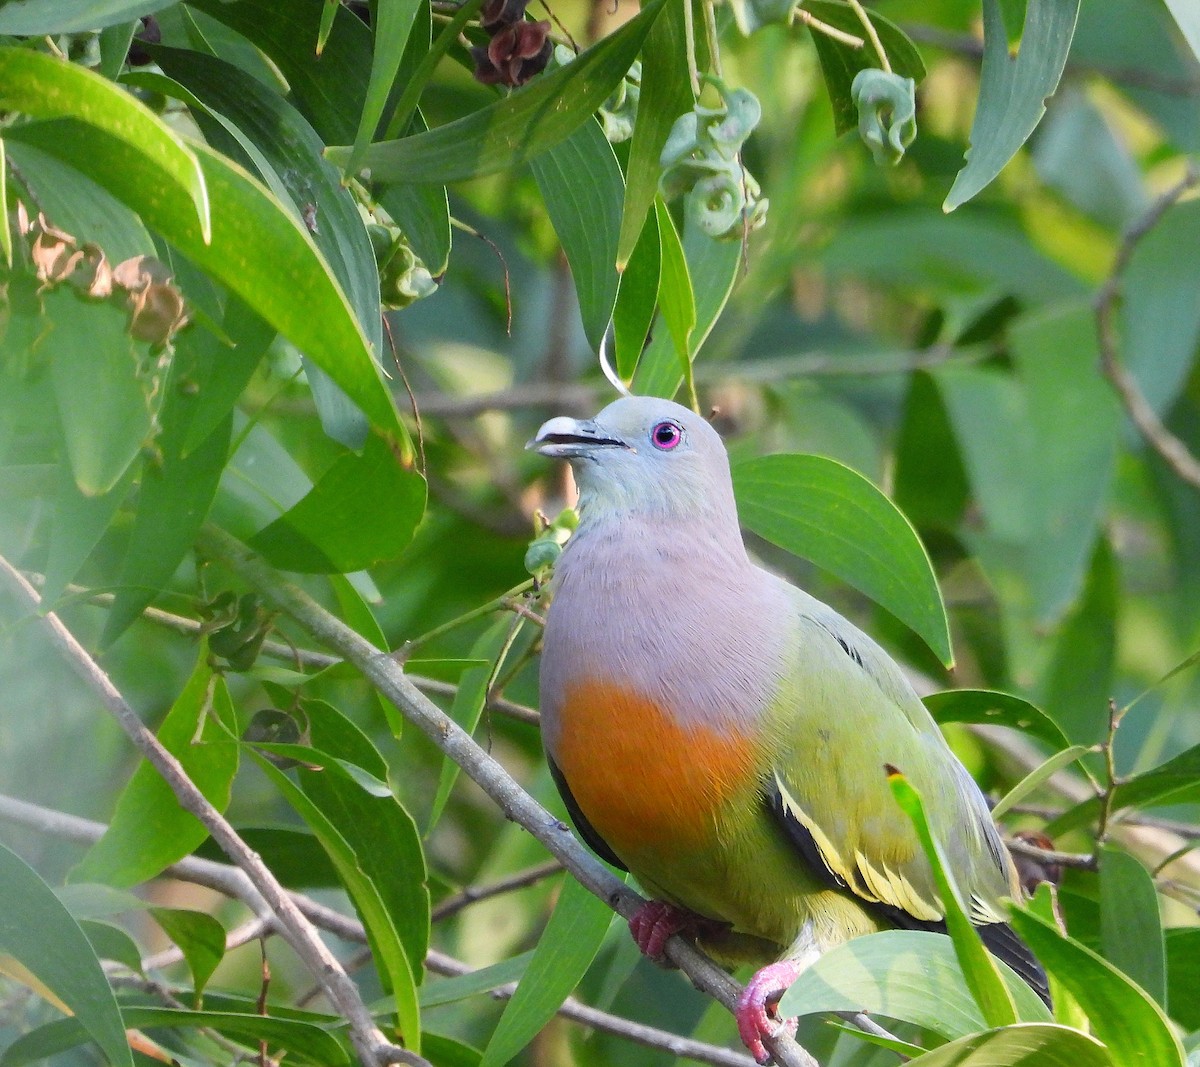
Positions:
{"x": 887, "y": 113}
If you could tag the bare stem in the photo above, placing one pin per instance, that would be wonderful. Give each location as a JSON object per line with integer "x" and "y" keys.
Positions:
{"x": 1173, "y": 450}
{"x": 817, "y": 26}
{"x": 388, "y": 677}
{"x": 872, "y": 35}
{"x": 370, "y": 1043}
{"x": 472, "y": 894}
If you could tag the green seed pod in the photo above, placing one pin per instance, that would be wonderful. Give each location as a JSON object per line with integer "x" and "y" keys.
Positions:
{"x": 541, "y": 555}
{"x": 887, "y": 113}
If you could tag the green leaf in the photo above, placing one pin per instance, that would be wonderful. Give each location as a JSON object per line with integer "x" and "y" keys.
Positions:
{"x": 637, "y": 299}
{"x": 582, "y": 186}
{"x": 294, "y": 856}
{"x": 1075, "y": 420}
{"x": 1013, "y": 89}
{"x": 339, "y": 806}
{"x": 34, "y": 18}
{"x": 1131, "y": 931}
{"x": 200, "y": 938}
{"x": 995, "y": 709}
{"x": 909, "y": 975}
{"x": 112, "y": 943}
{"x": 563, "y": 954}
{"x": 980, "y": 968}
{"x": 238, "y": 114}
{"x": 173, "y": 501}
{"x": 1041, "y": 773}
{"x": 44, "y": 87}
{"x": 1130, "y": 1024}
{"x": 6, "y": 247}
{"x": 104, "y": 399}
{"x": 37, "y": 931}
{"x": 448, "y": 1051}
{"x": 469, "y": 700}
{"x": 676, "y": 300}
{"x": 357, "y": 613}
{"x": 304, "y": 302}
{"x": 1045, "y": 1044}
{"x": 1183, "y": 975}
{"x": 828, "y": 513}
{"x": 392, "y": 22}
{"x": 666, "y": 93}
{"x": 76, "y": 204}
{"x": 502, "y": 135}
{"x": 712, "y": 267}
{"x": 79, "y": 523}
{"x": 452, "y": 990}
{"x": 149, "y": 830}
{"x": 304, "y": 1042}
{"x": 840, "y": 62}
{"x": 362, "y": 511}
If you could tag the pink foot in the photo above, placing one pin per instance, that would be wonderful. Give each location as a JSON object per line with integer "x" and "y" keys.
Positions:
{"x": 653, "y": 925}
{"x": 756, "y": 1007}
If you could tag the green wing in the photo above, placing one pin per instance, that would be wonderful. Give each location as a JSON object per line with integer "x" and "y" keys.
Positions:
{"x": 848, "y": 713}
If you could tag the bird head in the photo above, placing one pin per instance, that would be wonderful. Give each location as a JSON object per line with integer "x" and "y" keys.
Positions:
{"x": 642, "y": 455}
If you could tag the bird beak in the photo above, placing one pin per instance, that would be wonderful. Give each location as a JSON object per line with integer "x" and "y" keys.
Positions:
{"x": 565, "y": 438}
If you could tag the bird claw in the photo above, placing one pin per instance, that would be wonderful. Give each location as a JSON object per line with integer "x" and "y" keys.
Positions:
{"x": 756, "y": 1010}
{"x": 654, "y": 924}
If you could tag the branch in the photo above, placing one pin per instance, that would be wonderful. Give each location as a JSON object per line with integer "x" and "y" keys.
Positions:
{"x": 305, "y": 657}
{"x": 1176, "y": 454}
{"x": 232, "y": 882}
{"x": 472, "y": 894}
{"x": 638, "y": 1033}
{"x": 370, "y": 1043}
{"x": 1081, "y": 860}
{"x": 389, "y": 678}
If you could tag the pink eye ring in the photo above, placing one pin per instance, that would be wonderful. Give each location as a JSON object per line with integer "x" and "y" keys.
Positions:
{"x": 666, "y": 435}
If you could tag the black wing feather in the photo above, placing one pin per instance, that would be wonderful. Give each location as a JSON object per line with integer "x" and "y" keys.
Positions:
{"x": 1000, "y": 938}
{"x": 588, "y": 832}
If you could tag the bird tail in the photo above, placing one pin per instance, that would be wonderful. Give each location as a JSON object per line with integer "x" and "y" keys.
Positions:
{"x": 1003, "y": 943}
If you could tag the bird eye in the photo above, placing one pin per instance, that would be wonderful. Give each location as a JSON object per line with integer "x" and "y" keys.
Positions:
{"x": 666, "y": 435}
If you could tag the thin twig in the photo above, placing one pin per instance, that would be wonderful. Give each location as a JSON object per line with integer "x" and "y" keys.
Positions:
{"x": 817, "y": 26}
{"x": 520, "y": 880}
{"x": 370, "y": 1043}
{"x": 576, "y": 1010}
{"x": 1173, "y": 450}
{"x": 872, "y": 35}
{"x": 1083, "y": 861}
{"x": 516, "y": 804}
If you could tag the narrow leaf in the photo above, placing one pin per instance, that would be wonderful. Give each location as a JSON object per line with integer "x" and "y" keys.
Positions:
{"x": 515, "y": 129}
{"x": 563, "y": 954}
{"x": 34, "y": 18}
{"x": 995, "y": 709}
{"x": 637, "y": 299}
{"x": 828, "y": 513}
{"x": 979, "y": 966}
{"x": 362, "y": 511}
{"x": 1041, "y": 773}
{"x": 676, "y": 300}
{"x": 44, "y": 87}
{"x": 1130, "y": 1024}
{"x": 200, "y": 938}
{"x": 392, "y": 22}
{"x": 1013, "y": 89}
{"x": 1046, "y": 1044}
{"x": 1131, "y": 931}
{"x": 910, "y": 975}
{"x": 666, "y": 94}
{"x": 40, "y": 933}
{"x": 581, "y": 183}
{"x": 304, "y": 1041}
{"x": 149, "y": 830}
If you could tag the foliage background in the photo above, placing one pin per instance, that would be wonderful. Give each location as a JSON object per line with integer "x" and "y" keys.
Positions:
{"x": 951, "y": 358}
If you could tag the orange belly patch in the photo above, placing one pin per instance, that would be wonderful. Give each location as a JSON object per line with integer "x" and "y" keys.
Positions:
{"x": 641, "y": 778}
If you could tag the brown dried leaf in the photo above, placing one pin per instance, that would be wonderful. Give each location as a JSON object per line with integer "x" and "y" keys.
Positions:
{"x": 139, "y": 272}
{"x": 156, "y": 313}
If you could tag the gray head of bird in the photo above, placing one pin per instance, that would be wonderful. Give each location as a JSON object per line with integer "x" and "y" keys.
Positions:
{"x": 643, "y": 456}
